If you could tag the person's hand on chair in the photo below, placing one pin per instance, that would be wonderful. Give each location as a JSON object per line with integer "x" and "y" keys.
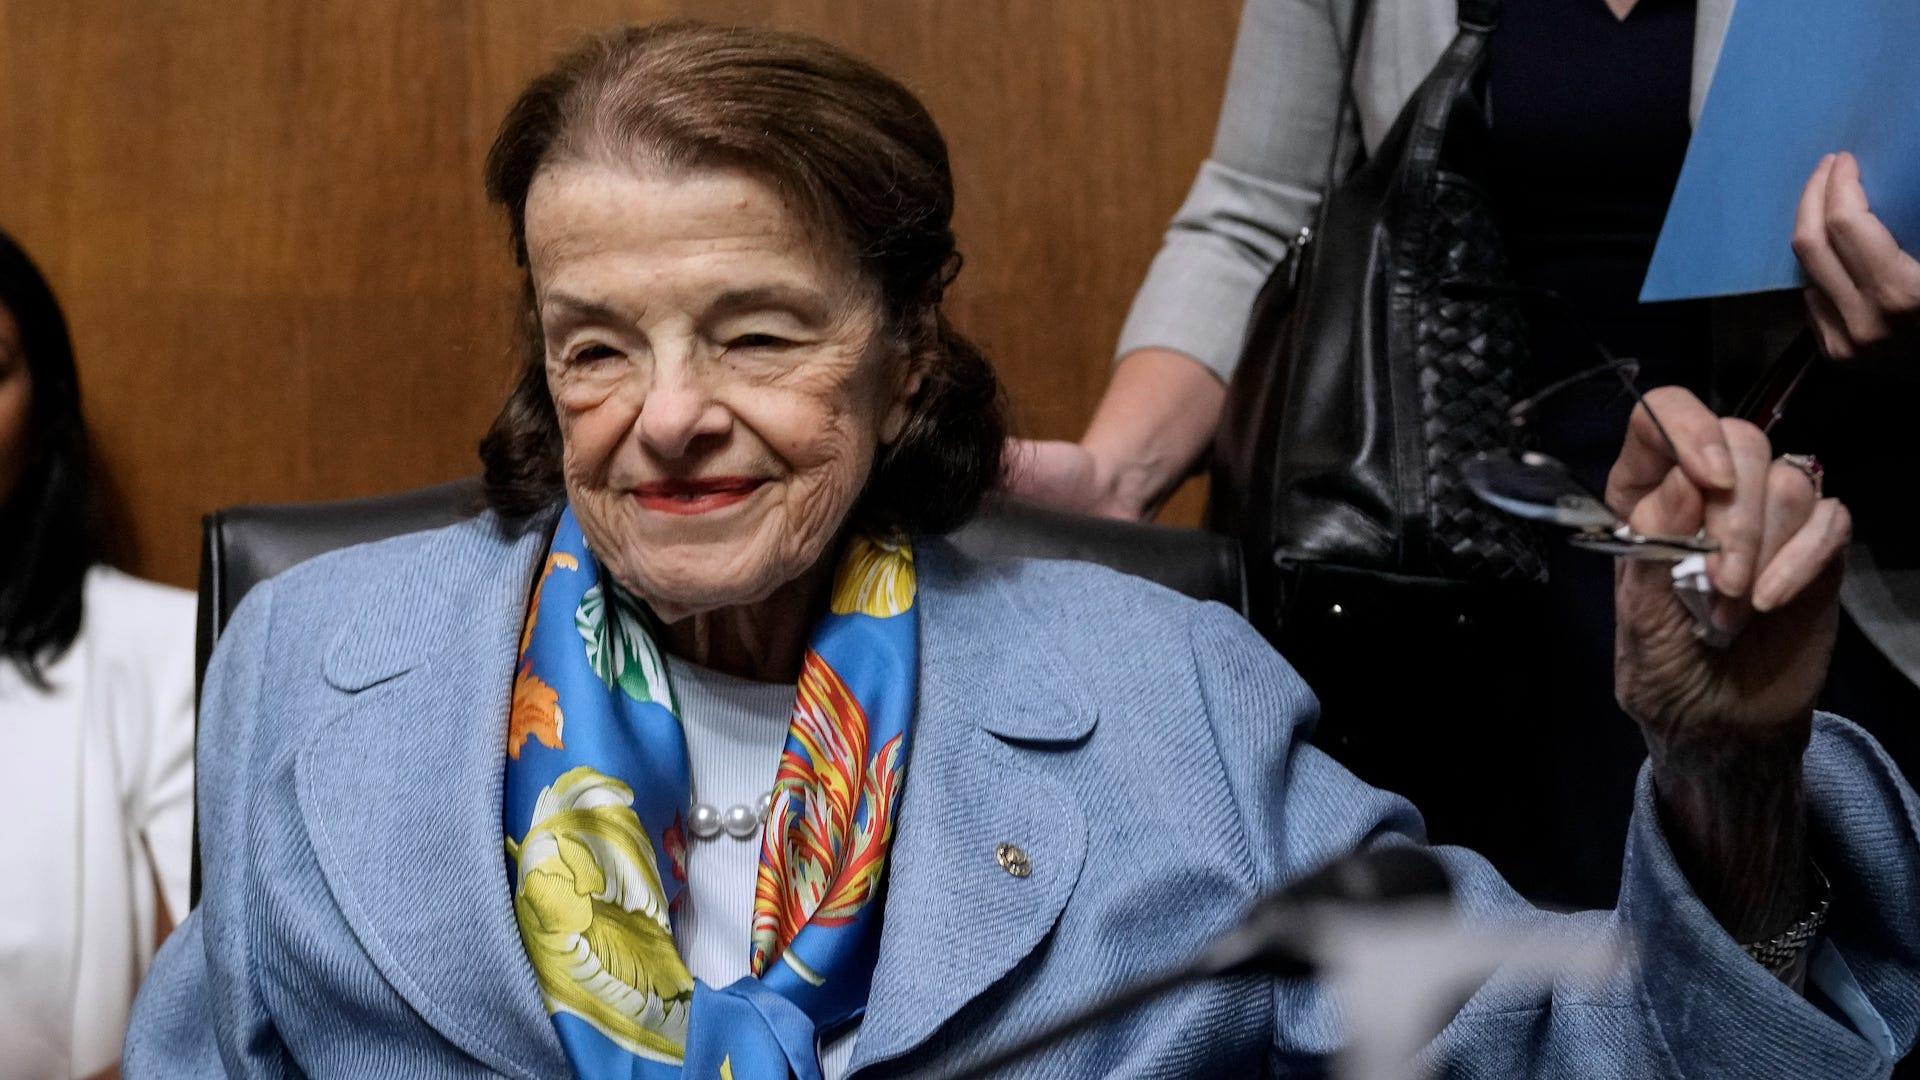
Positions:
{"x": 1152, "y": 428}
{"x": 1062, "y": 475}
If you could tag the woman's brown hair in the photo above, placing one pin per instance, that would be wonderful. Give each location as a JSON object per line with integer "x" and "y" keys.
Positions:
{"x": 852, "y": 148}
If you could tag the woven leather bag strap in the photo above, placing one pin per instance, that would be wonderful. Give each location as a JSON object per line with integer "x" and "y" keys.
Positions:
{"x": 1348, "y": 60}
{"x": 1480, "y": 16}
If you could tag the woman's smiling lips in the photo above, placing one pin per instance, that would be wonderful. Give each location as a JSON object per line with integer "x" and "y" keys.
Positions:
{"x": 700, "y": 496}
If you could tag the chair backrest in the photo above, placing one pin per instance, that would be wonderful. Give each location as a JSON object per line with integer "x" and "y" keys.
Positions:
{"x": 245, "y": 545}
{"x": 242, "y": 546}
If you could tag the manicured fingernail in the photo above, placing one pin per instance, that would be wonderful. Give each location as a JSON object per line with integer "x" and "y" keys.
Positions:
{"x": 1719, "y": 466}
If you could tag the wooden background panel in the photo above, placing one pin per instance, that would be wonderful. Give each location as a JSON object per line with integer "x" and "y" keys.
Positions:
{"x": 265, "y": 217}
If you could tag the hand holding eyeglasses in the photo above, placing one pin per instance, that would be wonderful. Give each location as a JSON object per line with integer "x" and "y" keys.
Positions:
{"x": 1775, "y": 577}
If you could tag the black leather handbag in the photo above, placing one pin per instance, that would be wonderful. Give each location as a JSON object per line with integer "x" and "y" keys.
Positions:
{"x": 1380, "y": 356}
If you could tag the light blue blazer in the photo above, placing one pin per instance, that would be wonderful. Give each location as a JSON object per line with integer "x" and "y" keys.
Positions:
{"x": 1145, "y": 750}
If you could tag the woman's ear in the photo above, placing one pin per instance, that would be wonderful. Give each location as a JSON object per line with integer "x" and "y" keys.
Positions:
{"x": 906, "y": 393}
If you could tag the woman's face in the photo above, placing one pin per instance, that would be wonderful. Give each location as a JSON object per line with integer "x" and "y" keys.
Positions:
{"x": 16, "y": 402}
{"x": 721, "y": 384}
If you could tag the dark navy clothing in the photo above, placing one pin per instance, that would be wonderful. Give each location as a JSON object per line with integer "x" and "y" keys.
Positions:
{"x": 1589, "y": 130}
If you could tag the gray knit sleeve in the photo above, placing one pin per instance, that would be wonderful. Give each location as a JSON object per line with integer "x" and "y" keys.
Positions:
{"x": 1260, "y": 184}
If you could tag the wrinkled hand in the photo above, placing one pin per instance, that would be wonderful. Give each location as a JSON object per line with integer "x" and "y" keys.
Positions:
{"x": 1062, "y": 475}
{"x": 1776, "y": 576}
{"x": 1865, "y": 296}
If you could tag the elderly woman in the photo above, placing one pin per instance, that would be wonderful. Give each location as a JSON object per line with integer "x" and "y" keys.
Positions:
{"x": 702, "y": 755}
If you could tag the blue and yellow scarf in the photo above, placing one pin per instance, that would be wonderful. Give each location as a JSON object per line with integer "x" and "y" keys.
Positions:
{"x": 597, "y": 787}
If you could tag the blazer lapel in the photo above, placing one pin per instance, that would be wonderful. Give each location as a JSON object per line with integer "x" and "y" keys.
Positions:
{"x": 422, "y": 879}
{"x": 1710, "y": 18}
{"x": 996, "y": 704}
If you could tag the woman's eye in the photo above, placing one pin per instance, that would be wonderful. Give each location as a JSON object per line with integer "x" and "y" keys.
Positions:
{"x": 590, "y": 354}
{"x": 757, "y": 341}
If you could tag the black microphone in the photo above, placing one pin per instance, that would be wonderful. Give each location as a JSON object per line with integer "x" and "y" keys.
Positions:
{"x": 1275, "y": 936}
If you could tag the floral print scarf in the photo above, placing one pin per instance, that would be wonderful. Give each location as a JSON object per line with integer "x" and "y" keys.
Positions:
{"x": 597, "y": 787}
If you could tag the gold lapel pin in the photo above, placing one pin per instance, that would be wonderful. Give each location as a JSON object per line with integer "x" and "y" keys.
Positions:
{"x": 1013, "y": 860}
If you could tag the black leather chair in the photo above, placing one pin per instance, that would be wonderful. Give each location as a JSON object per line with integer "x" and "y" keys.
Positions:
{"x": 244, "y": 545}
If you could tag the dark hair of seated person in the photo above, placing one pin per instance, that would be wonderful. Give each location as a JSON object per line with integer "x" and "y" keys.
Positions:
{"x": 49, "y": 534}
{"x": 854, "y": 152}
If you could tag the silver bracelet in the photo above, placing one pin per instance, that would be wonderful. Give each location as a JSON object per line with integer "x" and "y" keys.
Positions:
{"x": 1780, "y": 953}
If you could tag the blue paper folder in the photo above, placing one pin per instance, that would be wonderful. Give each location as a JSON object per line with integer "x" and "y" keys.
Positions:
{"x": 1797, "y": 79}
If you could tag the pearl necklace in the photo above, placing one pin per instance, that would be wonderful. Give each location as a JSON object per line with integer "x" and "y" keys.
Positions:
{"x": 705, "y": 822}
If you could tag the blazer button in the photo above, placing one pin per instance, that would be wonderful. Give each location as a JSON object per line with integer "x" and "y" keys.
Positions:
{"x": 1013, "y": 860}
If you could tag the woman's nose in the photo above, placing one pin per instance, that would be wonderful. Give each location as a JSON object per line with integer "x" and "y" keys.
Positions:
{"x": 680, "y": 410}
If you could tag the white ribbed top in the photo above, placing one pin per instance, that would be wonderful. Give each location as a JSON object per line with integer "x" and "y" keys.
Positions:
{"x": 735, "y": 731}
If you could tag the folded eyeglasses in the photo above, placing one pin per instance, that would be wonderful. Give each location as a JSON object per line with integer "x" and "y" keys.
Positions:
{"x": 1539, "y": 487}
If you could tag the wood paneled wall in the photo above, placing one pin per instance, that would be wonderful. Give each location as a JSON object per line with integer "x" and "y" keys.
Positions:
{"x": 265, "y": 217}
